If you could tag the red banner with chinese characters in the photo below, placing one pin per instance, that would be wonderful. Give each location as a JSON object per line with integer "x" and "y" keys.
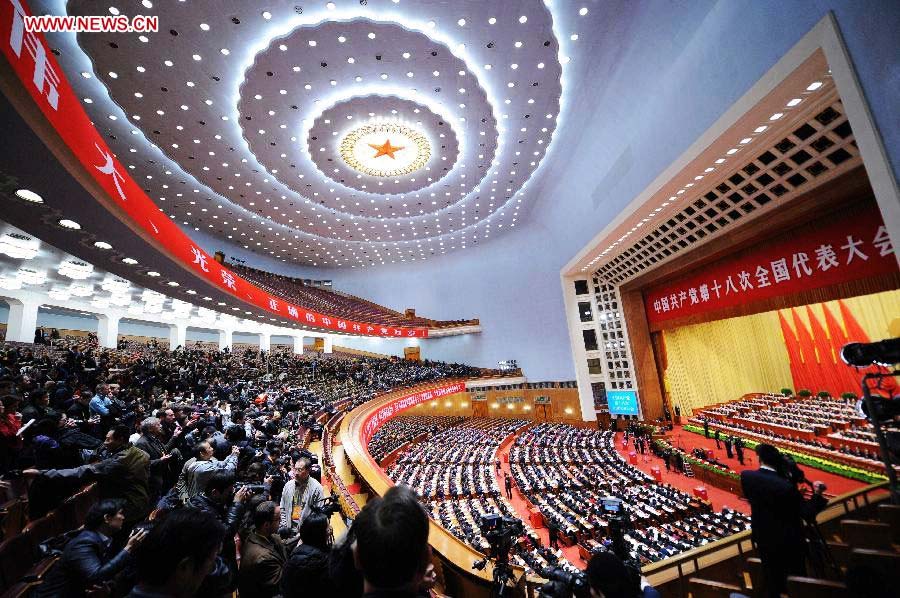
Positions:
{"x": 40, "y": 73}
{"x": 392, "y": 409}
{"x": 844, "y": 250}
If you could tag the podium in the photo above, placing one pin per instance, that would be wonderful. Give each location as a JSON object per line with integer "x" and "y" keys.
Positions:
{"x": 657, "y": 474}
{"x": 535, "y": 518}
{"x": 701, "y": 493}
{"x": 632, "y": 458}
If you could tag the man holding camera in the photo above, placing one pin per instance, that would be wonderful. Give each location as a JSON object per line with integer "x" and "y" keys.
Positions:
{"x": 299, "y": 495}
{"x": 777, "y": 513}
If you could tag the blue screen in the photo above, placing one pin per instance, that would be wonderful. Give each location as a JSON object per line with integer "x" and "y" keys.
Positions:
{"x": 622, "y": 402}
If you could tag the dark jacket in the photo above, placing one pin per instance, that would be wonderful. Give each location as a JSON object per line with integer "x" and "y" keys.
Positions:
{"x": 160, "y": 469}
{"x": 84, "y": 562}
{"x": 306, "y": 574}
{"x": 121, "y": 475}
{"x": 262, "y": 564}
{"x": 776, "y": 510}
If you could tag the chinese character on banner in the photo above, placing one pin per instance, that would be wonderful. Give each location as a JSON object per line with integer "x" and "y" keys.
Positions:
{"x": 729, "y": 286}
{"x": 357, "y": 328}
{"x": 43, "y": 70}
{"x": 369, "y": 329}
{"x": 110, "y": 169}
{"x": 410, "y": 333}
{"x": 664, "y": 301}
{"x": 384, "y": 331}
{"x": 228, "y": 279}
{"x": 882, "y": 241}
{"x": 762, "y": 277}
{"x": 717, "y": 287}
{"x": 673, "y": 301}
{"x": 292, "y": 311}
{"x": 398, "y": 332}
{"x": 826, "y": 258}
{"x": 342, "y": 325}
{"x": 852, "y": 248}
{"x": 200, "y": 258}
{"x": 704, "y": 292}
{"x": 780, "y": 271}
{"x": 657, "y": 306}
{"x": 326, "y": 321}
{"x": 682, "y": 297}
{"x": 744, "y": 280}
{"x": 273, "y": 304}
{"x": 310, "y": 317}
{"x": 692, "y": 293}
{"x": 800, "y": 262}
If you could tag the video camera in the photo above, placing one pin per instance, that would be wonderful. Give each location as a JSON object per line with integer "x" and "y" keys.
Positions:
{"x": 327, "y": 506}
{"x": 500, "y": 533}
{"x": 251, "y": 488}
{"x": 564, "y": 584}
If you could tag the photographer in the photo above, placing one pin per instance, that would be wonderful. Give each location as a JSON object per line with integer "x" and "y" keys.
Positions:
{"x": 778, "y": 510}
{"x": 262, "y": 554}
{"x": 306, "y": 572}
{"x": 610, "y": 578}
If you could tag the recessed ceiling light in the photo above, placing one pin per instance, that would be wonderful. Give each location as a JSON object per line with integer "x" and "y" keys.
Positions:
{"x": 518, "y": 44}
{"x": 29, "y": 196}
{"x": 130, "y": 261}
{"x": 196, "y": 57}
{"x": 583, "y": 11}
{"x": 102, "y": 245}
{"x": 225, "y": 51}
{"x": 814, "y": 86}
{"x": 113, "y": 74}
{"x": 776, "y": 116}
{"x": 191, "y": 292}
{"x": 523, "y": 19}
{"x": 147, "y": 4}
{"x": 204, "y": 26}
{"x": 794, "y": 102}
{"x": 492, "y": 21}
{"x": 329, "y": 5}
{"x": 760, "y": 129}
{"x": 153, "y": 273}
{"x": 141, "y": 69}
{"x": 85, "y": 74}
{"x": 574, "y": 37}
{"x": 172, "y": 283}
{"x": 266, "y": 15}
{"x": 113, "y": 10}
{"x": 70, "y": 224}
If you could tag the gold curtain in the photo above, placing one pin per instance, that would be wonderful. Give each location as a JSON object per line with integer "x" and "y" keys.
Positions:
{"x": 719, "y": 361}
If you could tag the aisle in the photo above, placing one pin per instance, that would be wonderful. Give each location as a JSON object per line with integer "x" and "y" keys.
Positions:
{"x": 836, "y": 484}
{"x": 719, "y": 498}
{"x": 520, "y": 504}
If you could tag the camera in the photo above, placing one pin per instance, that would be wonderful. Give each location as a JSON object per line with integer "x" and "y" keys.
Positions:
{"x": 500, "y": 532}
{"x": 251, "y": 488}
{"x": 328, "y": 506}
{"x": 563, "y": 584}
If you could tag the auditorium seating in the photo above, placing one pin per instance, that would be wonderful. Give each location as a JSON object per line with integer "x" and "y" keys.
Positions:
{"x": 400, "y": 430}
{"x": 565, "y": 471}
{"x": 331, "y": 302}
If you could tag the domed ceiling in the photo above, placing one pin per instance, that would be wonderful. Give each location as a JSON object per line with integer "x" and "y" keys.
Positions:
{"x": 350, "y": 133}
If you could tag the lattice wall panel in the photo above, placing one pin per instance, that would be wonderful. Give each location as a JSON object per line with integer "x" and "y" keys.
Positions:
{"x": 819, "y": 149}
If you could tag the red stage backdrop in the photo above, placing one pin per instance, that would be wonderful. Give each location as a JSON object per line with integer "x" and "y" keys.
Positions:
{"x": 815, "y": 354}
{"x": 40, "y": 73}
{"x": 843, "y": 251}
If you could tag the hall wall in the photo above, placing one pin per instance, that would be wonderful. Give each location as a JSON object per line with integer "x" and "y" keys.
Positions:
{"x": 722, "y": 360}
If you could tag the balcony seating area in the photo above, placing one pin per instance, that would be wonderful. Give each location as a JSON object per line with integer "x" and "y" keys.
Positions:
{"x": 331, "y": 302}
{"x": 400, "y": 430}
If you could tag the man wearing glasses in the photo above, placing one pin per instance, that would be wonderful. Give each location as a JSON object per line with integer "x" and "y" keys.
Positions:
{"x": 299, "y": 495}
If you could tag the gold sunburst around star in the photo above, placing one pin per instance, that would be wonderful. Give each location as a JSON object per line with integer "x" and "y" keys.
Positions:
{"x": 385, "y": 149}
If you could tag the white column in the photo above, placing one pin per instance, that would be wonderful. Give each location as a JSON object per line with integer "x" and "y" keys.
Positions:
{"x": 22, "y": 320}
{"x": 108, "y": 330}
{"x": 177, "y": 336}
{"x": 298, "y": 344}
{"x": 579, "y": 354}
{"x": 226, "y": 337}
{"x": 265, "y": 341}
{"x": 328, "y": 344}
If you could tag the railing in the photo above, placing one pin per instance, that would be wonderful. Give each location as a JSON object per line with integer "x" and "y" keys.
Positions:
{"x": 683, "y": 566}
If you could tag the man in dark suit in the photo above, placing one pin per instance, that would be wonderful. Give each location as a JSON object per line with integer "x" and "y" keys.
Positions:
{"x": 706, "y": 427}
{"x": 777, "y": 513}
{"x": 717, "y": 436}
{"x": 87, "y": 560}
{"x": 739, "y": 449}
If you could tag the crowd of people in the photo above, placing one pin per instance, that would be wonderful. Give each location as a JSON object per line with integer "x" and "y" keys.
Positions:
{"x": 199, "y": 458}
{"x": 396, "y": 432}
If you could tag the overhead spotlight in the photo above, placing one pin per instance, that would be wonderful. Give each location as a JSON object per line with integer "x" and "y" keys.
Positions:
{"x": 29, "y": 196}
{"x": 18, "y": 246}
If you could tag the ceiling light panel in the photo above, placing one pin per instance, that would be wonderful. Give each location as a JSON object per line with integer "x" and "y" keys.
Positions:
{"x": 259, "y": 143}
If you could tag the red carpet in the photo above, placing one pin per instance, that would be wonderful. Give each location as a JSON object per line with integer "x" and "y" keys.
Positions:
{"x": 521, "y": 505}
{"x": 719, "y": 498}
{"x": 688, "y": 440}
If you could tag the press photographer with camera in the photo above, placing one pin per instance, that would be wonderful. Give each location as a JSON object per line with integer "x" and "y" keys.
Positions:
{"x": 299, "y": 495}
{"x": 263, "y": 554}
{"x": 778, "y": 512}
